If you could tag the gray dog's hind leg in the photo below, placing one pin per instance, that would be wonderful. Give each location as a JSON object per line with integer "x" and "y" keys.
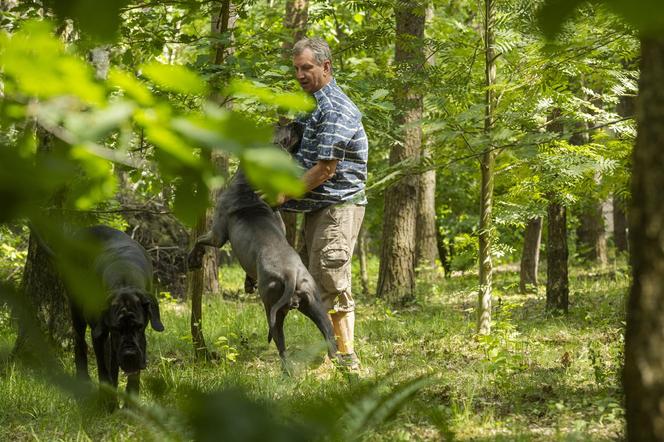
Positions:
{"x": 315, "y": 311}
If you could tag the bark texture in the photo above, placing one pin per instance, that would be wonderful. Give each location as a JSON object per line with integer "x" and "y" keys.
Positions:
{"x": 396, "y": 279}
{"x": 530, "y": 255}
{"x": 426, "y": 246}
{"x": 619, "y": 225}
{"x": 557, "y": 279}
{"x": 295, "y": 20}
{"x": 222, "y": 20}
{"x": 487, "y": 167}
{"x": 644, "y": 339}
{"x": 41, "y": 283}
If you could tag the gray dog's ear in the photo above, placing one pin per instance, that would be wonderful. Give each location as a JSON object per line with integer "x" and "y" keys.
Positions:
{"x": 152, "y": 306}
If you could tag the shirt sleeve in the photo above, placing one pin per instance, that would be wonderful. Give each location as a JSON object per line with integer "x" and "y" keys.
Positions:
{"x": 334, "y": 133}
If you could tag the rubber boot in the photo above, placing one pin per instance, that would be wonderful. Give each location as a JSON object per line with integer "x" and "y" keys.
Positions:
{"x": 344, "y": 329}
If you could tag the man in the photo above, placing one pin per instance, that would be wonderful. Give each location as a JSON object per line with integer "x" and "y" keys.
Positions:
{"x": 334, "y": 152}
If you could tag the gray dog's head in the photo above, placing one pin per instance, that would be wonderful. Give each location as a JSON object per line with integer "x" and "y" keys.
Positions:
{"x": 125, "y": 319}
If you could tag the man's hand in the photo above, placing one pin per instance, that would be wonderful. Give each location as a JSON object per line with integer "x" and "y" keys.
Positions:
{"x": 281, "y": 198}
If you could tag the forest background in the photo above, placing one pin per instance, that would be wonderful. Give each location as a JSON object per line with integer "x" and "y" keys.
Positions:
{"x": 497, "y": 129}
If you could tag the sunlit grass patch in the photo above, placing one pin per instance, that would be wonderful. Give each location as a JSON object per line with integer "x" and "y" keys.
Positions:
{"x": 536, "y": 377}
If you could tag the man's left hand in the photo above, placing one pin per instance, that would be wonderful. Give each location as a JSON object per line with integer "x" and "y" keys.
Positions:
{"x": 281, "y": 198}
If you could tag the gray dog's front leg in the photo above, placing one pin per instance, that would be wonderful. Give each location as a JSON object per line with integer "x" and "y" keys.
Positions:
{"x": 195, "y": 256}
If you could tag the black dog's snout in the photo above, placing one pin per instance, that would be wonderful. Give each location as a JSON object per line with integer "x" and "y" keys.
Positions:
{"x": 130, "y": 360}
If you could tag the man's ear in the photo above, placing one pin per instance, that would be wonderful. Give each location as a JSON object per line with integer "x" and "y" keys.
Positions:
{"x": 152, "y": 307}
{"x": 327, "y": 67}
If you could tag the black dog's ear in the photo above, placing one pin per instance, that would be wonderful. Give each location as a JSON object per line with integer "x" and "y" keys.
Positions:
{"x": 152, "y": 306}
{"x": 100, "y": 328}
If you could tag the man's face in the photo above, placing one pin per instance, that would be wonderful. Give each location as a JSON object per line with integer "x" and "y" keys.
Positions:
{"x": 311, "y": 75}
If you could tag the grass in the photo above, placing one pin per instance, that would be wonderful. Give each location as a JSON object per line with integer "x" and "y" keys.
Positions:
{"x": 536, "y": 377}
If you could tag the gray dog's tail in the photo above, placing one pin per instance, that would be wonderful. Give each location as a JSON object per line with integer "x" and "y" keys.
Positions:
{"x": 289, "y": 292}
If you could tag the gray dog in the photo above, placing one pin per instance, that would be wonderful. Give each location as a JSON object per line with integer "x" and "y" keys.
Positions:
{"x": 118, "y": 332}
{"x": 256, "y": 234}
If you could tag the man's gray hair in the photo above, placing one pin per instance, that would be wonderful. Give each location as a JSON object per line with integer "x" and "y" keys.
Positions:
{"x": 318, "y": 47}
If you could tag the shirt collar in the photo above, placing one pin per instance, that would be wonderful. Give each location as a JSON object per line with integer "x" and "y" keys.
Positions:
{"x": 325, "y": 89}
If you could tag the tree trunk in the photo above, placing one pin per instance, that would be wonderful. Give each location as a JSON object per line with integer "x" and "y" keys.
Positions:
{"x": 362, "y": 255}
{"x": 426, "y": 247}
{"x": 644, "y": 338}
{"x": 487, "y": 167}
{"x": 295, "y": 21}
{"x": 396, "y": 279}
{"x": 530, "y": 255}
{"x": 41, "y": 283}
{"x": 557, "y": 281}
{"x": 222, "y": 20}
{"x": 619, "y": 225}
{"x": 591, "y": 233}
{"x": 625, "y": 108}
{"x": 426, "y": 250}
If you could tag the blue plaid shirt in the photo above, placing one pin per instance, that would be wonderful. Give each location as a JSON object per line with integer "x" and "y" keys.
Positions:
{"x": 333, "y": 131}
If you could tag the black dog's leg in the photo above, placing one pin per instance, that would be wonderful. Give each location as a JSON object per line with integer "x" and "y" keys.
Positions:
{"x": 315, "y": 311}
{"x": 99, "y": 345}
{"x": 133, "y": 383}
{"x": 80, "y": 347}
{"x": 102, "y": 347}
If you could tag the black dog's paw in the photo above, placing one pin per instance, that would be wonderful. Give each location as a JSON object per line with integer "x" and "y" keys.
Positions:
{"x": 195, "y": 259}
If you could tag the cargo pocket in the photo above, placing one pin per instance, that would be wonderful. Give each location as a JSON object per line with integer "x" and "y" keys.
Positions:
{"x": 335, "y": 268}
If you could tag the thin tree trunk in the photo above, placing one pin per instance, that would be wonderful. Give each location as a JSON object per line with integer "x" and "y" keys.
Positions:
{"x": 426, "y": 247}
{"x": 557, "y": 280}
{"x": 643, "y": 379}
{"x": 396, "y": 279}
{"x": 487, "y": 167}
{"x": 619, "y": 225}
{"x": 591, "y": 233}
{"x": 530, "y": 255}
{"x": 295, "y": 21}
{"x": 626, "y": 108}
{"x": 222, "y": 20}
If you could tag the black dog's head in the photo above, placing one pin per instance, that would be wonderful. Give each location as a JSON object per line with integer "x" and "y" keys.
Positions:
{"x": 125, "y": 319}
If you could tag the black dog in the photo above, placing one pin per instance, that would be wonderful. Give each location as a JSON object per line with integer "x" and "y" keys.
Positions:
{"x": 257, "y": 236}
{"x": 118, "y": 332}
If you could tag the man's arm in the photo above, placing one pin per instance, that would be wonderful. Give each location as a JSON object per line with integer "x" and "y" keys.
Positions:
{"x": 322, "y": 171}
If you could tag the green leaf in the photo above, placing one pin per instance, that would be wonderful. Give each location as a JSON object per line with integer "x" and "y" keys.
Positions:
{"x": 133, "y": 87}
{"x": 645, "y": 15}
{"x": 553, "y": 14}
{"x": 380, "y": 93}
{"x": 100, "y": 19}
{"x": 174, "y": 78}
{"x": 272, "y": 170}
{"x": 34, "y": 63}
{"x": 94, "y": 125}
{"x": 171, "y": 143}
{"x": 191, "y": 199}
{"x": 294, "y": 101}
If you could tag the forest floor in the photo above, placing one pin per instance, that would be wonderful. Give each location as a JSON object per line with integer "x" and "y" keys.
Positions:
{"x": 536, "y": 377}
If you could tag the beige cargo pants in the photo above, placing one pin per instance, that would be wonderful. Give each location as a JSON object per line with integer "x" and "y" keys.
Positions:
{"x": 330, "y": 234}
